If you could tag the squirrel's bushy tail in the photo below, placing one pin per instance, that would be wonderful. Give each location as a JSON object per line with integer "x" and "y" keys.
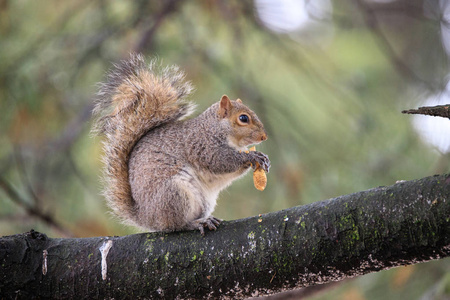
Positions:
{"x": 135, "y": 98}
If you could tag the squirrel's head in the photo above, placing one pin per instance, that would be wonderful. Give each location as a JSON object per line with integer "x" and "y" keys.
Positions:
{"x": 246, "y": 128}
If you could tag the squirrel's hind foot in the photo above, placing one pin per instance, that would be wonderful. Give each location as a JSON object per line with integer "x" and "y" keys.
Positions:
{"x": 210, "y": 222}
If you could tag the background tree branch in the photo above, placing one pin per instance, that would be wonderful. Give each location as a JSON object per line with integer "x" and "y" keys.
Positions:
{"x": 33, "y": 210}
{"x": 435, "y": 111}
{"x": 348, "y": 236}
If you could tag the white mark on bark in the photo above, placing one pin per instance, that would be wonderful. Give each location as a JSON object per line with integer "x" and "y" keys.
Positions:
{"x": 44, "y": 262}
{"x": 104, "y": 249}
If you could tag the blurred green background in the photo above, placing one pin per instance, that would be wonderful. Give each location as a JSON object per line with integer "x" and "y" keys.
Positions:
{"x": 329, "y": 80}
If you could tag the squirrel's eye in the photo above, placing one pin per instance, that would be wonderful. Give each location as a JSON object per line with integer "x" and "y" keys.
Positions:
{"x": 244, "y": 118}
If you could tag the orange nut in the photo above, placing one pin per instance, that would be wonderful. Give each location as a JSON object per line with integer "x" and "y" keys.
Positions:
{"x": 259, "y": 176}
{"x": 259, "y": 179}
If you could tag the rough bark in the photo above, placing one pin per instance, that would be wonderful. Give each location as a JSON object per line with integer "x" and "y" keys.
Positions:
{"x": 436, "y": 111}
{"x": 351, "y": 235}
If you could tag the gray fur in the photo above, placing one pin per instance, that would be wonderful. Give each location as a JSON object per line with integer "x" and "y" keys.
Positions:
{"x": 178, "y": 170}
{"x": 161, "y": 173}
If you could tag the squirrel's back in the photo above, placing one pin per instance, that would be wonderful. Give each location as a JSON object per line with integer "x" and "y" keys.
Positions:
{"x": 135, "y": 98}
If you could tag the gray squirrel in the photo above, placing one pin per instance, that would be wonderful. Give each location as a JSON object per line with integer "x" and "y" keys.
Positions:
{"x": 163, "y": 172}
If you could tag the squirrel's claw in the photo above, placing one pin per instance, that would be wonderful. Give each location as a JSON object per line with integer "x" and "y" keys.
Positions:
{"x": 216, "y": 221}
{"x": 202, "y": 231}
{"x": 210, "y": 222}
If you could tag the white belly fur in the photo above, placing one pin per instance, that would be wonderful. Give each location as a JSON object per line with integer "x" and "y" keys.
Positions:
{"x": 202, "y": 190}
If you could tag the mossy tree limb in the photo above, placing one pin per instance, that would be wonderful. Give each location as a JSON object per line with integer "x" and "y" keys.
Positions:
{"x": 351, "y": 235}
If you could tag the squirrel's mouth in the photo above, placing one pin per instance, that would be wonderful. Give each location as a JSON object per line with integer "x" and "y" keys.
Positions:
{"x": 248, "y": 146}
{"x": 243, "y": 144}
{"x": 252, "y": 142}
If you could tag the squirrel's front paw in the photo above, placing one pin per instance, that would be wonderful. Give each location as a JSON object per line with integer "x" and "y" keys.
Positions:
{"x": 260, "y": 158}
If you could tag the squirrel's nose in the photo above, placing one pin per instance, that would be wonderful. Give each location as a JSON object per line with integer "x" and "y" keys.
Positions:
{"x": 264, "y": 137}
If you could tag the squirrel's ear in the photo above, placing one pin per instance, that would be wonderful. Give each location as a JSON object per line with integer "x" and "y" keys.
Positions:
{"x": 225, "y": 107}
{"x": 238, "y": 100}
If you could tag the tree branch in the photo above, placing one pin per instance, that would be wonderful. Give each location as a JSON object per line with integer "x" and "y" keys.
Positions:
{"x": 147, "y": 36}
{"x": 32, "y": 210}
{"x": 351, "y": 235}
{"x": 372, "y": 23}
{"x": 436, "y": 111}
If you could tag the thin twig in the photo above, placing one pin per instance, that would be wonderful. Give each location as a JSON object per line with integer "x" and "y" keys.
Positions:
{"x": 32, "y": 210}
{"x": 45, "y": 35}
{"x": 17, "y": 152}
{"x": 147, "y": 36}
{"x": 72, "y": 131}
{"x": 371, "y": 21}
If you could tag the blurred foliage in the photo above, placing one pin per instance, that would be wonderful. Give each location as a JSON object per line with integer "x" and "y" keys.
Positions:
{"x": 330, "y": 95}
